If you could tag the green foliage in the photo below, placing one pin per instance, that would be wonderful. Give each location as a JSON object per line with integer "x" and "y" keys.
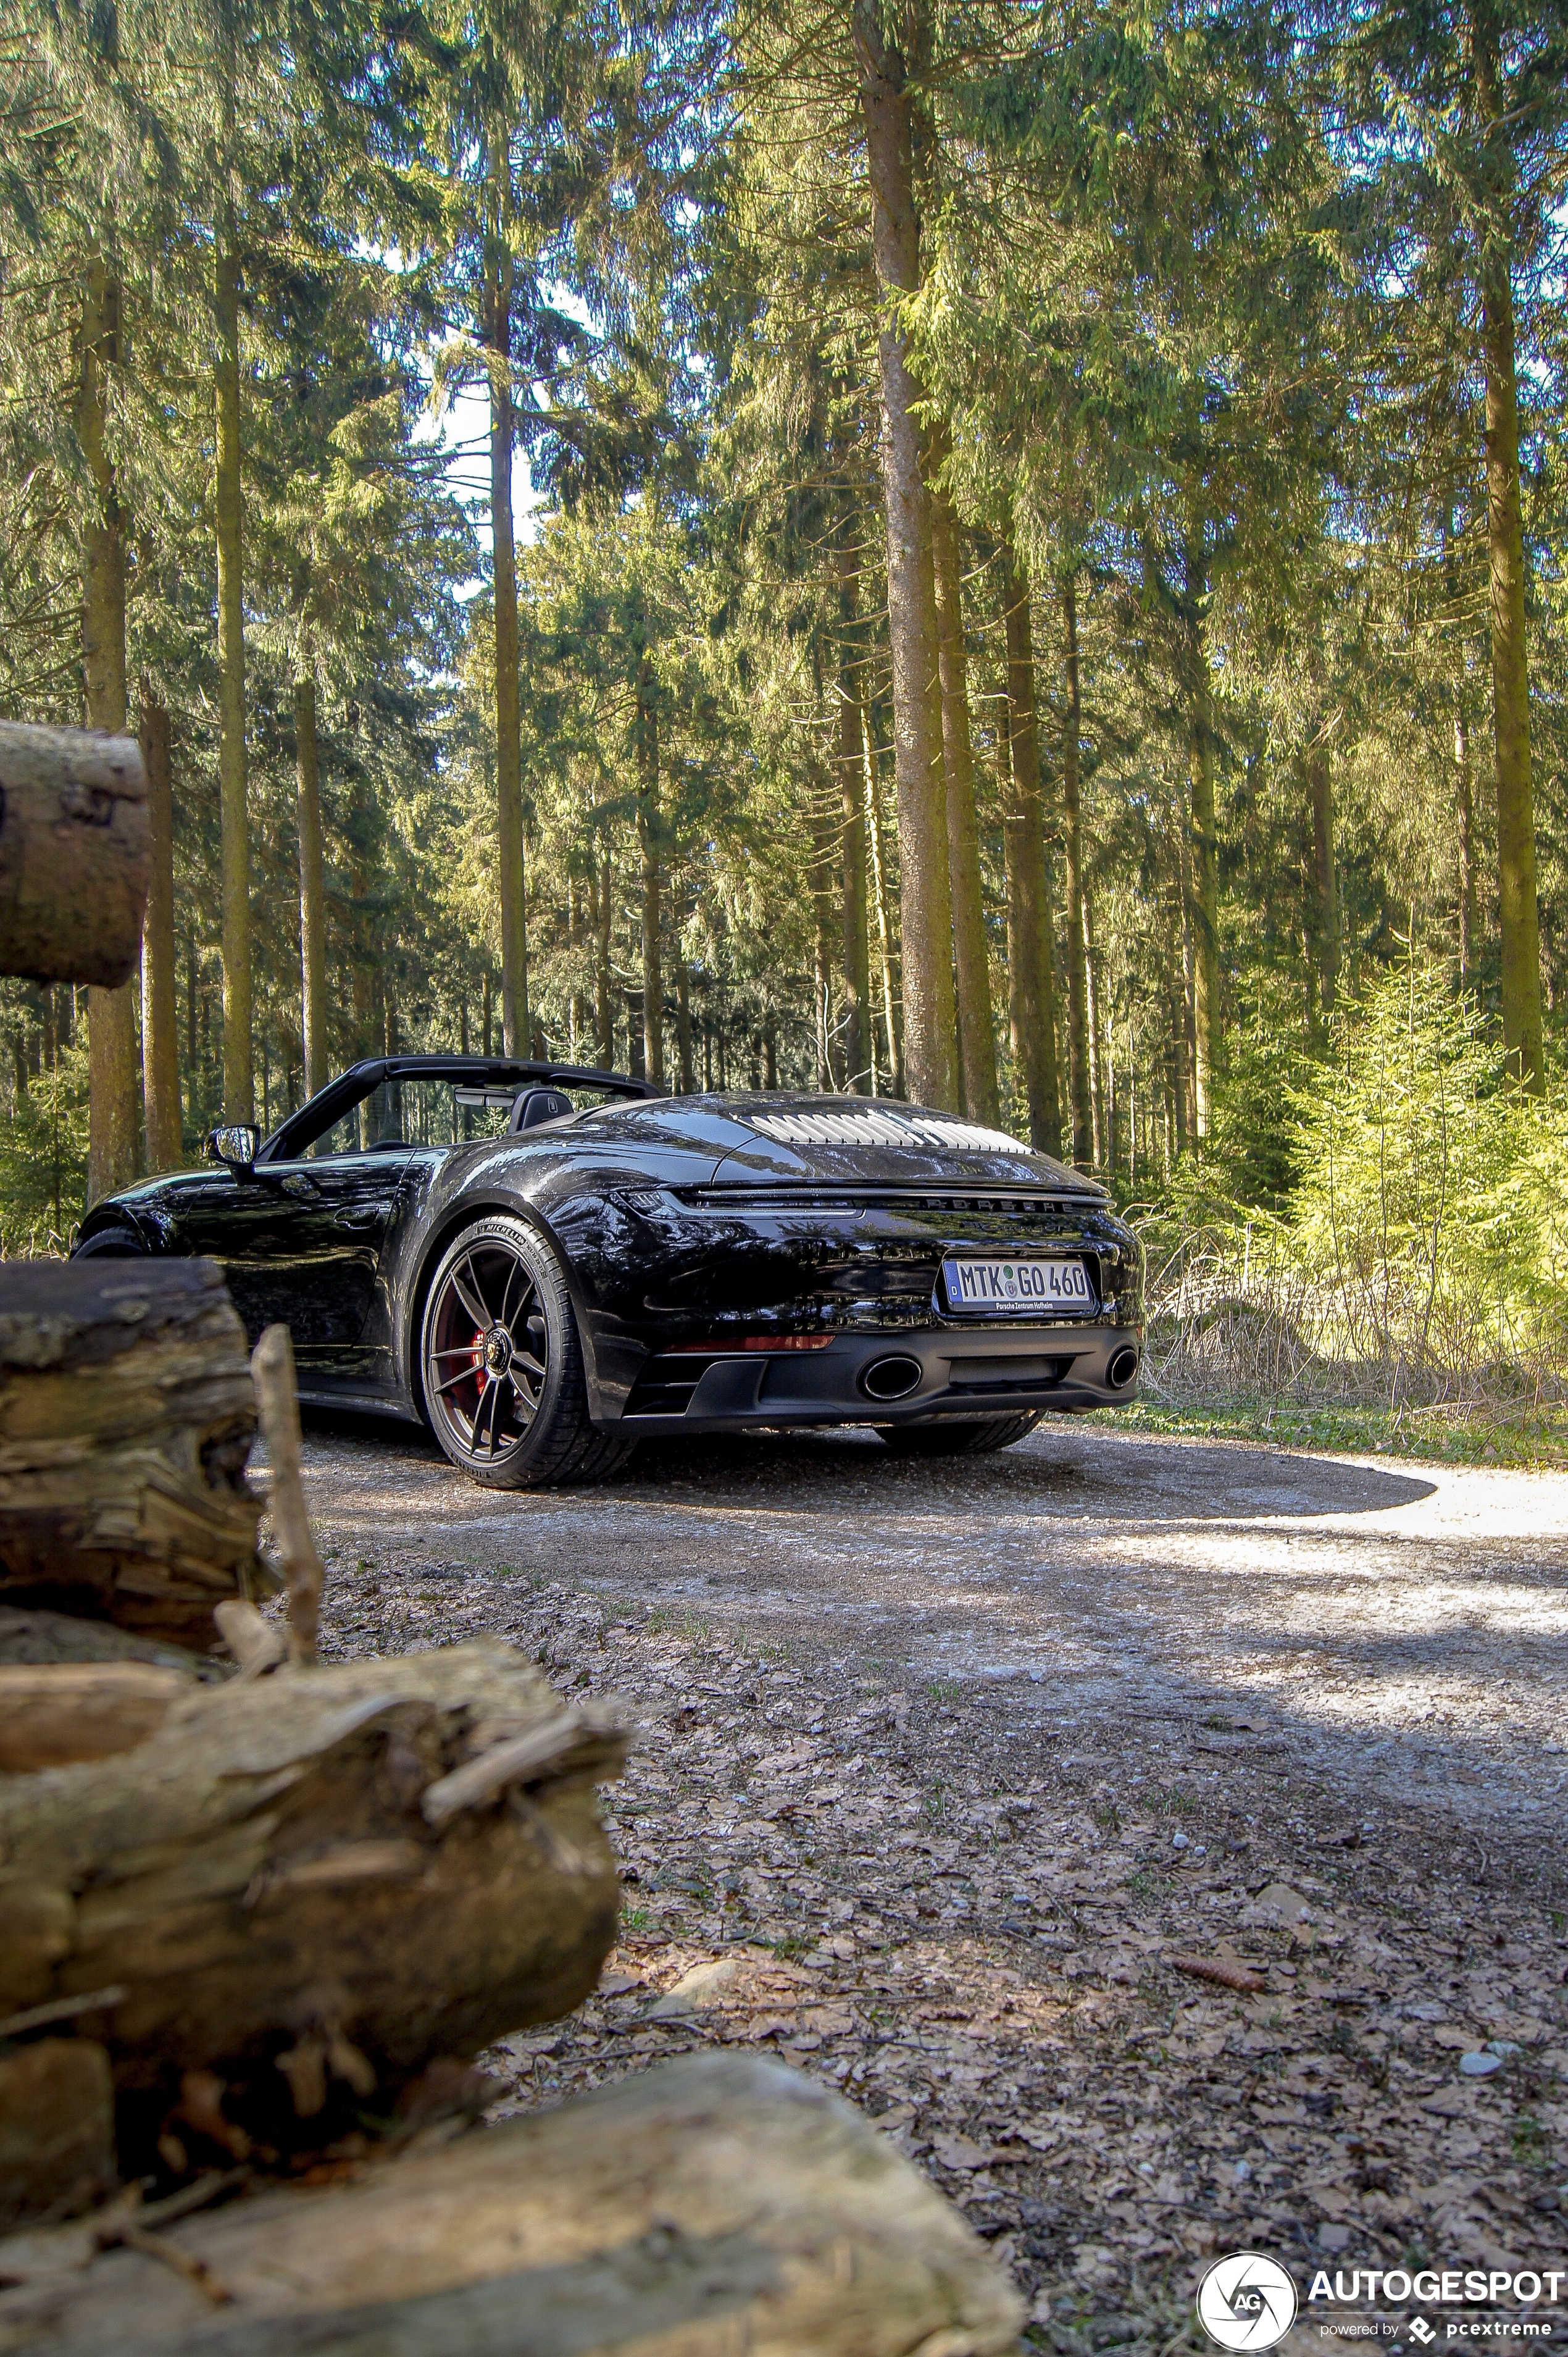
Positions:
{"x": 1420, "y": 1253}
{"x": 43, "y": 1154}
{"x": 1432, "y": 1192}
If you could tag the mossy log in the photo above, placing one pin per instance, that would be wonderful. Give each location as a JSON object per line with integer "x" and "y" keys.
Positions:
{"x": 718, "y": 2203}
{"x": 309, "y": 1885}
{"x": 126, "y": 1419}
{"x": 75, "y": 854}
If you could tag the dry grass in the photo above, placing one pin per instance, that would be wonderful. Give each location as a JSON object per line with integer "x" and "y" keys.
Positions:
{"x": 1235, "y": 1316}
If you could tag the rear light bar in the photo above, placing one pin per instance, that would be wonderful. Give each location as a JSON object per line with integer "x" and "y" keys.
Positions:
{"x": 727, "y": 1345}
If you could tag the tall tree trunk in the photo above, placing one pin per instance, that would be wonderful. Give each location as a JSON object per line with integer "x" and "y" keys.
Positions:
{"x": 683, "y": 1023}
{"x": 577, "y": 1003}
{"x": 239, "y": 1082}
{"x": 160, "y": 1020}
{"x": 884, "y": 898}
{"x": 927, "y": 926}
{"x": 1176, "y": 973}
{"x": 1032, "y": 920}
{"x": 829, "y": 1074}
{"x": 972, "y": 957}
{"x": 312, "y": 886}
{"x": 648, "y": 835}
{"x": 1079, "y": 1050}
{"x": 604, "y": 913}
{"x": 1519, "y": 917}
{"x": 1188, "y": 979}
{"x": 1325, "y": 885}
{"x": 1104, "y": 1147}
{"x": 1021, "y": 956}
{"x": 852, "y": 803}
{"x": 1465, "y": 800}
{"x": 1463, "y": 783}
{"x": 111, "y": 1014}
{"x": 509, "y": 726}
{"x": 1204, "y": 899}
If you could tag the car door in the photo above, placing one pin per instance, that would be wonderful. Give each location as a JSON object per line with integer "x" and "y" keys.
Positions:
{"x": 300, "y": 1244}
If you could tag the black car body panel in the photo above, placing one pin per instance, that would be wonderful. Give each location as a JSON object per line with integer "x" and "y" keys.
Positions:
{"x": 732, "y": 1260}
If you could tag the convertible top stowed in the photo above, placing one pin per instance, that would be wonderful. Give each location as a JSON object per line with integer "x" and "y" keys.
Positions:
{"x": 547, "y": 1260}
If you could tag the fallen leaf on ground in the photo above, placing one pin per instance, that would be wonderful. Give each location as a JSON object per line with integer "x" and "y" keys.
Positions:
{"x": 1281, "y": 1900}
{"x": 699, "y": 1985}
{"x": 957, "y": 2152}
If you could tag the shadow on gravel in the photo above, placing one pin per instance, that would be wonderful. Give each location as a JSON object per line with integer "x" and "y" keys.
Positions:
{"x": 383, "y": 1432}
{"x": 1140, "y": 1481}
{"x": 1137, "y": 1482}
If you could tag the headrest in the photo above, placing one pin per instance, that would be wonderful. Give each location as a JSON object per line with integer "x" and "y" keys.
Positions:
{"x": 530, "y": 1106}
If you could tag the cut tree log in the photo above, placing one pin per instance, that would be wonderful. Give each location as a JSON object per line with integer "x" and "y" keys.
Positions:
{"x": 75, "y": 854}
{"x": 82, "y": 1710}
{"x": 261, "y": 1881}
{"x": 718, "y": 2203}
{"x": 126, "y": 1418}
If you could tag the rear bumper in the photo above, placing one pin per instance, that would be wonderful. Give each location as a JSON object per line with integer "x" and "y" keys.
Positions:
{"x": 858, "y": 1379}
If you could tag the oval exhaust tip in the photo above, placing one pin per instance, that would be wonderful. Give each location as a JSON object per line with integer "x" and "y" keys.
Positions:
{"x": 1123, "y": 1368}
{"x": 892, "y": 1378}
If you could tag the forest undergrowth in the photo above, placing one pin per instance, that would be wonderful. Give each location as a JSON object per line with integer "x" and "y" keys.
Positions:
{"x": 1373, "y": 1253}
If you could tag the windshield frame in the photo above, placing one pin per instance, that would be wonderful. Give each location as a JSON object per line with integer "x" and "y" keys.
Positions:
{"x": 293, "y": 1138}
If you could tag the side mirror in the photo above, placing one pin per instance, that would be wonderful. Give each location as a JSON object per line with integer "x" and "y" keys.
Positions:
{"x": 234, "y": 1144}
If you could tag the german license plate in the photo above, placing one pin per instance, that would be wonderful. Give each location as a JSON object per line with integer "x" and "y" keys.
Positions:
{"x": 994, "y": 1285}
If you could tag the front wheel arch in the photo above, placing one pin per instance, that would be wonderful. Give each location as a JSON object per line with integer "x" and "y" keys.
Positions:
{"x": 120, "y": 1241}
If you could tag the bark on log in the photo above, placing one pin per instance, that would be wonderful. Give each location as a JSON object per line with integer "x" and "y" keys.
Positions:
{"x": 715, "y": 2205}
{"x": 57, "y": 2127}
{"x": 261, "y": 1881}
{"x": 82, "y": 1710}
{"x": 30, "y": 1638}
{"x": 75, "y": 854}
{"x": 126, "y": 1417}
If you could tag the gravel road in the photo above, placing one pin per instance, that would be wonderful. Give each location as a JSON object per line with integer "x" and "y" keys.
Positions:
{"x": 943, "y": 1763}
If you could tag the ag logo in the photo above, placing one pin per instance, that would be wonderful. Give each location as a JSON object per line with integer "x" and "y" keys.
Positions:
{"x": 1246, "y": 2301}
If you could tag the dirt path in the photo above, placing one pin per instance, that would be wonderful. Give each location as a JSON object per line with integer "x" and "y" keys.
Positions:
{"x": 944, "y": 1763}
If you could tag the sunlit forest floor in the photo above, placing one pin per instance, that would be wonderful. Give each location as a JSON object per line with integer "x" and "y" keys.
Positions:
{"x": 1447, "y": 1435}
{"x": 949, "y": 1773}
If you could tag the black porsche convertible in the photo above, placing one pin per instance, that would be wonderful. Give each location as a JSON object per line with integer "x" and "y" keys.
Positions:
{"x": 546, "y": 1262}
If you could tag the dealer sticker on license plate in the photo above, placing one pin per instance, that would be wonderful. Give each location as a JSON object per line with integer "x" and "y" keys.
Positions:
{"x": 1059, "y": 1284}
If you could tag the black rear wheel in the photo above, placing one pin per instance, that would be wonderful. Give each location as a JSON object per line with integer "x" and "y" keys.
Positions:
{"x": 956, "y": 1439}
{"x": 502, "y": 1364}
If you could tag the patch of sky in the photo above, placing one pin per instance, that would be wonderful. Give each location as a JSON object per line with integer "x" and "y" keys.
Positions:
{"x": 456, "y": 420}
